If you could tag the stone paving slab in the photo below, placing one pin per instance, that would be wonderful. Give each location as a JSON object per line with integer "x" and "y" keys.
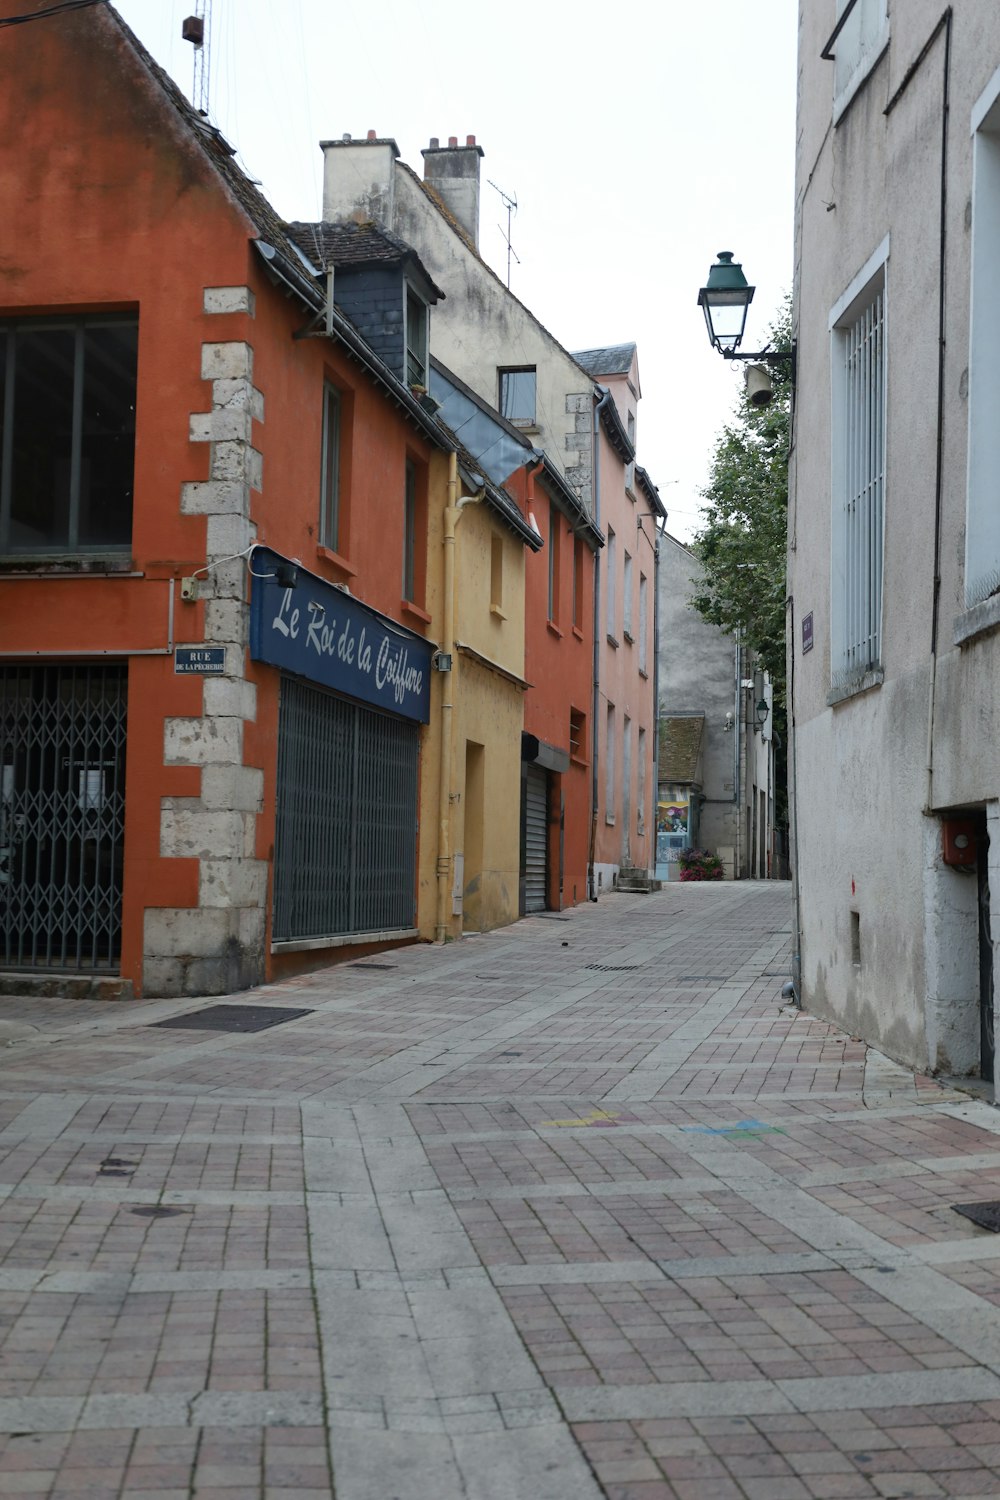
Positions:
{"x": 511, "y": 1220}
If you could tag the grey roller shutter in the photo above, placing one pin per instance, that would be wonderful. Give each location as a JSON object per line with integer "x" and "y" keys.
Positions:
{"x": 535, "y": 839}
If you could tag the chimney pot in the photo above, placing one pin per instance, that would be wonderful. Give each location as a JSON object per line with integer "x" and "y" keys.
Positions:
{"x": 372, "y": 135}
{"x": 454, "y": 176}
{"x": 453, "y": 140}
{"x": 346, "y": 136}
{"x": 470, "y": 140}
{"x": 435, "y": 142}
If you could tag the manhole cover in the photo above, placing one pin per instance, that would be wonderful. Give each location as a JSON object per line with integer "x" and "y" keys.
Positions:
{"x": 614, "y": 968}
{"x": 233, "y": 1018}
{"x": 158, "y": 1211}
{"x": 372, "y": 966}
{"x": 986, "y": 1215}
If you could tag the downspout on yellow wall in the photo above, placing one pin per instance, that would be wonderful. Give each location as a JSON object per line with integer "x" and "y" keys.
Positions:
{"x": 452, "y": 514}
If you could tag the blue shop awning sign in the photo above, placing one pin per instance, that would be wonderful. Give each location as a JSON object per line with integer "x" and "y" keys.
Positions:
{"x": 321, "y": 633}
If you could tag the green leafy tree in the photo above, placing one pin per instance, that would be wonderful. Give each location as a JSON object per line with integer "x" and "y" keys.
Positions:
{"x": 741, "y": 545}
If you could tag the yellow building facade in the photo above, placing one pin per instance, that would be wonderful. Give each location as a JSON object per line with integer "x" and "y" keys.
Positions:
{"x": 471, "y": 765}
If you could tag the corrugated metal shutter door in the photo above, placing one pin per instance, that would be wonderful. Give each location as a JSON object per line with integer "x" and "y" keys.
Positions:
{"x": 346, "y": 838}
{"x": 535, "y": 839}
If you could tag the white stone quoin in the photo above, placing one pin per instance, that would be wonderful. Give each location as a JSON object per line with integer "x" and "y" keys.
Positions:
{"x": 218, "y": 945}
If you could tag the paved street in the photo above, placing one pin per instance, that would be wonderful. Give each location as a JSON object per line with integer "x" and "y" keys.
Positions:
{"x": 570, "y": 1210}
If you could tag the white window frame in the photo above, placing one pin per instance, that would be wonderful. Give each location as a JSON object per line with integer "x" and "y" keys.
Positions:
{"x": 982, "y": 530}
{"x": 611, "y": 603}
{"x": 858, "y": 344}
{"x": 643, "y": 622}
{"x": 857, "y": 49}
{"x": 609, "y": 765}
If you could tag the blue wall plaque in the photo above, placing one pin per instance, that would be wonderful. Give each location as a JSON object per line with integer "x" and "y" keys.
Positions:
{"x": 319, "y": 632}
{"x": 205, "y": 661}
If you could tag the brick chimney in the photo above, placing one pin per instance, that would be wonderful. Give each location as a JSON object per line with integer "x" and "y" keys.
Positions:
{"x": 453, "y": 172}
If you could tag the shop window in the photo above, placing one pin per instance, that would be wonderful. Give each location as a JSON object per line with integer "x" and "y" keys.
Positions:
{"x": 67, "y": 435}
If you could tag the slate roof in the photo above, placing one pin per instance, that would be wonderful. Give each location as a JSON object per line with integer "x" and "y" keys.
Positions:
{"x": 349, "y": 243}
{"x": 612, "y": 359}
{"x": 680, "y": 746}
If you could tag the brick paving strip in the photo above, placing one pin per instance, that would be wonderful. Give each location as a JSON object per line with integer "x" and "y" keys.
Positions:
{"x": 572, "y": 1210}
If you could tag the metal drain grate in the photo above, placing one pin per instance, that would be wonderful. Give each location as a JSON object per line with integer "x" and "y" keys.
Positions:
{"x": 614, "y": 968}
{"x": 986, "y": 1215}
{"x": 232, "y": 1018}
{"x": 372, "y": 966}
{"x": 158, "y": 1211}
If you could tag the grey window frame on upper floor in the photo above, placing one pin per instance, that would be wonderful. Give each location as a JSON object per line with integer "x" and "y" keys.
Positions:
{"x": 329, "y": 506}
{"x": 856, "y": 44}
{"x": 410, "y": 532}
{"x": 508, "y": 398}
{"x": 89, "y": 423}
{"x": 417, "y": 337}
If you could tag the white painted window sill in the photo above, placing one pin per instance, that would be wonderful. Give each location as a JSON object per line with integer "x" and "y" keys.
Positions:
{"x": 863, "y": 683}
{"x": 977, "y": 621}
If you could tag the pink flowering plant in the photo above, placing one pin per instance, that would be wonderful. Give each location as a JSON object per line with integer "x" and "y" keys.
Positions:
{"x": 699, "y": 864}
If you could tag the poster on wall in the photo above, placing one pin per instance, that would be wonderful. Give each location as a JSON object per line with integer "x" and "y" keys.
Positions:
{"x": 672, "y": 815}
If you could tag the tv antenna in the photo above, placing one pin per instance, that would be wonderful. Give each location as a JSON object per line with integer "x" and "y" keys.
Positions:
{"x": 509, "y": 201}
{"x": 197, "y": 30}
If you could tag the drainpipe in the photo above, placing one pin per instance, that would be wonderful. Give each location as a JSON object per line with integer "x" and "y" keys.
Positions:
{"x": 595, "y": 731}
{"x": 452, "y": 515}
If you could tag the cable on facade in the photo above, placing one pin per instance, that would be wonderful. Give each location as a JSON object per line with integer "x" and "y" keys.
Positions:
{"x": 50, "y": 10}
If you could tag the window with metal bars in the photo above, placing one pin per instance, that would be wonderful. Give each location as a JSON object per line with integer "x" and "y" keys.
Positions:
{"x": 859, "y": 486}
{"x": 67, "y": 434}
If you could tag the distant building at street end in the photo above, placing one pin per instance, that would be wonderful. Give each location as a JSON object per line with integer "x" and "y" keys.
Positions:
{"x": 716, "y": 769}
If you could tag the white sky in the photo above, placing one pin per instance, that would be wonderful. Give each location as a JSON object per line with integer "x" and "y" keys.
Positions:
{"x": 638, "y": 141}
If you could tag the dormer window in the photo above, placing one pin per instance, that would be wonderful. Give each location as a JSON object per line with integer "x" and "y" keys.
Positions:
{"x": 416, "y": 339}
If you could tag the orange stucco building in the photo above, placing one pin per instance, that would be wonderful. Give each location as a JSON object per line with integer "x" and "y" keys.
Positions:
{"x": 215, "y": 503}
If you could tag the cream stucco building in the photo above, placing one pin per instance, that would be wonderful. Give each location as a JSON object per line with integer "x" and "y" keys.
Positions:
{"x": 894, "y": 524}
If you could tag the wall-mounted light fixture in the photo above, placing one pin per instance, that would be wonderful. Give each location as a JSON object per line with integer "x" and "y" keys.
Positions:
{"x": 761, "y": 710}
{"x": 725, "y": 300}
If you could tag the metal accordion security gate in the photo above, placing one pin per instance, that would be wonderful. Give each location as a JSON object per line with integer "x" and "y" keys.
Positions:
{"x": 346, "y": 838}
{"x": 62, "y": 815}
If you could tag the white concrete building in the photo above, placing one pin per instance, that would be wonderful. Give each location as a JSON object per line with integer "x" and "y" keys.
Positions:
{"x": 894, "y": 523}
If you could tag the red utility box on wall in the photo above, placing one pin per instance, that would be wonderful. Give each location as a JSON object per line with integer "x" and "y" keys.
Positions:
{"x": 958, "y": 841}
